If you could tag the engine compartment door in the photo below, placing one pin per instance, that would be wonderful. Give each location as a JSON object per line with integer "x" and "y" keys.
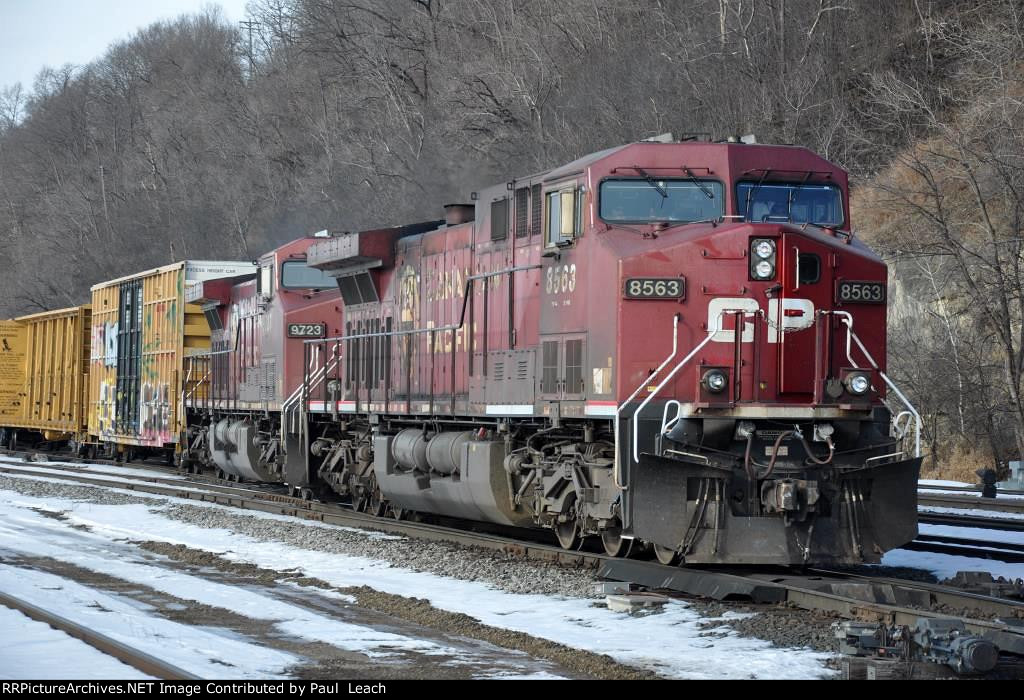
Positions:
{"x": 806, "y": 276}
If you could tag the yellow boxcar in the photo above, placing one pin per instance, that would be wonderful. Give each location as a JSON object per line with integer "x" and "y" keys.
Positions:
{"x": 44, "y": 365}
{"x": 143, "y": 328}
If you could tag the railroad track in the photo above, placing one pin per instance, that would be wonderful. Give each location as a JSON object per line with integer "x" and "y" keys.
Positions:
{"x": 852, "y": 596}
{"x": 943, "y": 500}
{"x": 146, "y": 663}
{"x": 973, "y": 521}
{"x": 966, "y": 547}
{"x": 967, "y": 489}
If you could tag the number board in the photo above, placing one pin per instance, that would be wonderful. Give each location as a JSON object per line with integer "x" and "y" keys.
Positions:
{"x": 655, "y": 288}
{"x": 852, "y": 292}
{"x": 307, "y": 330}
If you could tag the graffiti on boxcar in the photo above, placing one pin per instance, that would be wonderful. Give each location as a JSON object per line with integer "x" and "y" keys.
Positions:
{"x": 105, "y": 410}
{"x": 104, "y": 344}
{"x": 155, "y": 411}
{"x": 110, "y": 344}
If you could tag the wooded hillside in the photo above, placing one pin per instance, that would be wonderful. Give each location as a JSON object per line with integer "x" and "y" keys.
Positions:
{"x": 196, "y": 138}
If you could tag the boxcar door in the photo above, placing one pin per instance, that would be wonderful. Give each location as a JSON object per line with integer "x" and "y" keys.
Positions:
{"x": 129, "y": 357}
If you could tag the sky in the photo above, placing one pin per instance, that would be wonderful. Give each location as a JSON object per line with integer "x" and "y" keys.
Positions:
{"x": 38, "y": 33}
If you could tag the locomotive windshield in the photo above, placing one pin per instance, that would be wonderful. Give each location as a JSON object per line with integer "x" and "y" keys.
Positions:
{"x": 638, "y": 201}
{"x": 799, "y": 204}
{"x": 295, "y": 274}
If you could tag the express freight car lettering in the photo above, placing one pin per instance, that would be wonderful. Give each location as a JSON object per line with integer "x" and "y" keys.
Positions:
{"x": 674, "y": 345}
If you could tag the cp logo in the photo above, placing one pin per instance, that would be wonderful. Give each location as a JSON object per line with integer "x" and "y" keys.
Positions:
{"x": 783, "y": 315}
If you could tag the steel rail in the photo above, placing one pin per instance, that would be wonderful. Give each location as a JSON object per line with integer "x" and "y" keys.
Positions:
{"x": 146, "y": 663}
{"x": 968, "y": 489}
{"x": 974, "y": 521}
{"x": 809, "y": 592}
{"x": 976, "y": 549}
{"x": 1003, "y": 505}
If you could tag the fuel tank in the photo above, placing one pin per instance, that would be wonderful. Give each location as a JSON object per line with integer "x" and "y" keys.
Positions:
{"x": 451, "y": 473}
{"x": 235, "y": 450}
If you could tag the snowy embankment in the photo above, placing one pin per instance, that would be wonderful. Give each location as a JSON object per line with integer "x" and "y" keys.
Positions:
{"x": 674, "y": 643}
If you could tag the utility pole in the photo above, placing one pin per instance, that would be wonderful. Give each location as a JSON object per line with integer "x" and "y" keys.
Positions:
{"x": 250, "y": 25}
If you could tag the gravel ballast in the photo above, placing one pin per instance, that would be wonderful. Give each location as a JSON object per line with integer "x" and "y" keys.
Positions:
{"x": 782, "y": 626}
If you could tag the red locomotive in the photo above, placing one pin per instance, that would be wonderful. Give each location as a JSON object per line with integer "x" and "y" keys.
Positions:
{"x": 676, "y": 343}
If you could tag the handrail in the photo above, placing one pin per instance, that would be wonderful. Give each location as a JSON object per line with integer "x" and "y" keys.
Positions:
{"x": 847, "y": 319}
{"x": 466, "y": 301}
{"x": 711, "y": 334}
{"x": 617, "y": 471}
{"x": 667, "y": 424}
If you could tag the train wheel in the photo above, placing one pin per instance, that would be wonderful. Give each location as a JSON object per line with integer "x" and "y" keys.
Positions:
{"x": 668, "y": 557}
{"x": 615, "y": 545}
{"x": 568, "y": 532}
{"x": 399, "y": 513}
{"x": 376, "y": 505}
{"x": 359, "y": 500}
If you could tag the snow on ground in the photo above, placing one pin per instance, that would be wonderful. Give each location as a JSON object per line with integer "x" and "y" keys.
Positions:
{"x": 942, "y": 482}
{"x": 31, "y": 650}
{"x": 30, "y": 533}
{"x": 946, "y": 565}
{"x": 191, "y": 648}
{"x": 672, "y": 643}
{"x": 973, "y": 533}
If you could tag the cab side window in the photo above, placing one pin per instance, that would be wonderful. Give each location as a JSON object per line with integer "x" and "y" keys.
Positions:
{"x": 565, "y": 216}
{"x": 265, "y": 280}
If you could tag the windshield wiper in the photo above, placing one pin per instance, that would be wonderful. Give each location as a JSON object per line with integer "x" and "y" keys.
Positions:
{"x": 651, "y": 181}
{"x": 708, "y": 192}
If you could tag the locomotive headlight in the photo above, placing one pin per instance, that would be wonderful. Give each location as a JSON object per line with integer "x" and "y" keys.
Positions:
{"x": 764, "y": 270}
{"x": 764, "y": 249}
{"x": 858, "y": 384}
{"x": 714, "y": 380}
{"x": 762, "y": 259}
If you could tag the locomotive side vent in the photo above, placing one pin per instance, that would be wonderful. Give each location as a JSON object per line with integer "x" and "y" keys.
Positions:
{"x": 537, "y": 215}
{"x": 522, "y": 211}
{"x": 357, "y": 289}
{"x": 522, "y": 370}
{"x": 549, "y": 367}
{"x": 499, "y": 370}
{"x": 574, "y": 367}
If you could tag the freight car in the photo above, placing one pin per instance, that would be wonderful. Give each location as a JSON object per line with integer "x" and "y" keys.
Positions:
{"x": 44, "y": 360}
{"x": 143, "y": 328}
{"x": 680, "y": 343}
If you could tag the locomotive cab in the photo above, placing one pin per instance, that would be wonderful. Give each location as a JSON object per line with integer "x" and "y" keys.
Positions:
{"x": 244, "y": 391}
